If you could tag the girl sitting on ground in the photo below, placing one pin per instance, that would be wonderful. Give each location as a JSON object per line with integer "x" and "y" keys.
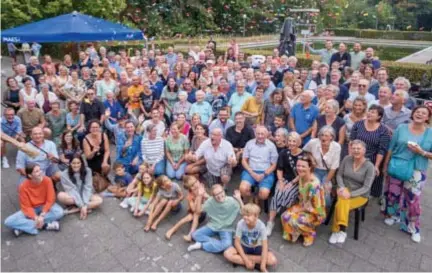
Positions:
{"x": 145, "y": 194}
{"x": 168, "y": 198}
{"x": 196, "y": 197}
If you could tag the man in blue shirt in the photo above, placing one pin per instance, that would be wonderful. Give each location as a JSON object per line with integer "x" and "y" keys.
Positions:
{"x": 303, "y": 115}
{"x": 11, "y": 126}
{"x": 382, "y": 77}
{"x": 46, "y": 160}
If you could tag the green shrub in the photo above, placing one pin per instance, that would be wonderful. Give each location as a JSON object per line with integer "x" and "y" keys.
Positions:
{"x": 381, "y": 34}
{"x": 411, "y": 71}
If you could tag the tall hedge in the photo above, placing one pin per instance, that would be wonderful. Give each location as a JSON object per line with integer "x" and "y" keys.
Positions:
{"x": 381, "y": 34}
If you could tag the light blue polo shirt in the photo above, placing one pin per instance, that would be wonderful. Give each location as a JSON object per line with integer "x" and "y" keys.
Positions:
{"x": 304, "y": 118}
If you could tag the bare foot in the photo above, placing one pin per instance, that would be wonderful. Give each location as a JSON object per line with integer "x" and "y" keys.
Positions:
{"x": 154, "y": 227}
{"x": 147, "y": 228}
{"x": 168, "y": 234}
{"x": 187, "y": 238}
{"x": 71, "y": 210}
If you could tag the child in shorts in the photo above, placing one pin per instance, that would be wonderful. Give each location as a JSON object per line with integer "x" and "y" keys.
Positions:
{"x": 131, "y": 187}
{"x": 196, "y": 197}
{"x": 121, "y": 180}
{"x": 168, "y": 198}
{"x": 250, "y": 244}
{"x": 144, "y": 195}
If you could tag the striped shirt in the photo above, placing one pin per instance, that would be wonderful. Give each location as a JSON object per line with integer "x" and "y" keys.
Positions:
{"x": 152, "y": 150}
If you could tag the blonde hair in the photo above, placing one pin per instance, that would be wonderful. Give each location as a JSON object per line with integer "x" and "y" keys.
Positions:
{"x": 251, "y": 209}
{"x": 188, "y": 181}
{"x": 161, "y": 180}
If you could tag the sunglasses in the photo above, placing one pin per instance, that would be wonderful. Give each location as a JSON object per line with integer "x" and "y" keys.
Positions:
{"x": 362, "y": 85}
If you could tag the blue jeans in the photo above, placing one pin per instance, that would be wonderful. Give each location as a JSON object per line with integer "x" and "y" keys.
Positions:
{"x": 177, "y": 174}
{"x": 159, "y": 168}
{"x": 322, "y": 175}
{"x": 19, "y": 221}
{"x": 204, "y": 235}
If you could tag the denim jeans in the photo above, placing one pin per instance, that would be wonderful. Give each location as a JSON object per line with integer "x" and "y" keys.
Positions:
{"x": 159, "y": 168}
{"x": 19, "y": 221}
{"x": 175, "y": 174}
{"x": 322, "y": 175}
{"x": 204, "y": 235}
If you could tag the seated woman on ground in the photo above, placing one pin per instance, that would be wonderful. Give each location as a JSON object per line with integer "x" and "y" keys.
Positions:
{"x": 168, "y": 198}
{"x": 144, "y": 195}
{"x": 302, "y": 218}
{"x": 37, "y": 202}
{"x": 77, "y": 183}
{"x": 250, "y": 244}
{"x": 196, "y": 197}
{"x": 201, "y": 134}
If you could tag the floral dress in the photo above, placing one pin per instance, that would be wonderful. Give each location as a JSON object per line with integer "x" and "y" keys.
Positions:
{"x": 304, "y": 217}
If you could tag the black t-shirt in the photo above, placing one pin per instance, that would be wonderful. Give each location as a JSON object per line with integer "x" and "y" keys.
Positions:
{"x": 92, "y": 111}
{"x": 147, "y": 101}
{"x": 337, "y": 125}
{"x": 287, "y": 164}
{"x": 239, "y": 140}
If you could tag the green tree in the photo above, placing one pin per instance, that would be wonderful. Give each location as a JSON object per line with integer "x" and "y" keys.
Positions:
{"x": 18, "y": 12}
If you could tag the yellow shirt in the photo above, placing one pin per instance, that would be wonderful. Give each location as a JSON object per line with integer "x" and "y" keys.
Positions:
{"x": 146, "y": 191}
{"x": 251, "y": 105}
{"x": 134, "y": 96}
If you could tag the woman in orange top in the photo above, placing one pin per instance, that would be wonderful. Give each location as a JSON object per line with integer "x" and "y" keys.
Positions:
{"x": 37, "y": 202}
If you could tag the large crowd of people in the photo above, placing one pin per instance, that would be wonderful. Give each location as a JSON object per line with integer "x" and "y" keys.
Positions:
{"x": 301, "y": 139}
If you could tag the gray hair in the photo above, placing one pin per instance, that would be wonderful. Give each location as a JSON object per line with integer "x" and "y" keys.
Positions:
{"x": 334, "y": 104}
{"x": 334, "y": 88}
{"x": 296, "y": 136}
{"x": 327, "y": 129}
{"x": 359, "y": 142}
{"x": 404, "y": 93}
{"x": 283, "y": 132}
{"x": 404, "y": 80}
{"x": 44, "y": 85}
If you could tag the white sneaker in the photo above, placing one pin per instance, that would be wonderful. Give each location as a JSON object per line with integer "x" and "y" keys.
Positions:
{"x": 334, "y": 237}
{"x": 124, "y": 204}
{"x": 411, "y": 228}
{"x": 269, "y": 228}
{"x": 17, "y": 232}
{"x": 54, "y": 226}
{"x": 416, "y": 237}
{"x": 391, "y": 221}
{"x": 342, "y": 237}
{"x": 5, "y": 163}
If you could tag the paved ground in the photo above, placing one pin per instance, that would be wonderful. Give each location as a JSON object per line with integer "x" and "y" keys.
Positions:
{"x": 112, "y": 240}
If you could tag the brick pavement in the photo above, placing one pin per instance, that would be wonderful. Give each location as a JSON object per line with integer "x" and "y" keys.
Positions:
{"x": 112, "y": 240}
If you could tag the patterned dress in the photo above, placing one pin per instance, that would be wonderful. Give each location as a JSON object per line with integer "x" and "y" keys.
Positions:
{"x": 304, "y": 217}
{"x": 377, "y": 143}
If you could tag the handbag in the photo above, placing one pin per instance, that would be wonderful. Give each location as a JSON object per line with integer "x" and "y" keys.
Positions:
{"x": 403, "y": 169}
{"x": 100, "y": 182}
{"x": 333, "y": 180}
